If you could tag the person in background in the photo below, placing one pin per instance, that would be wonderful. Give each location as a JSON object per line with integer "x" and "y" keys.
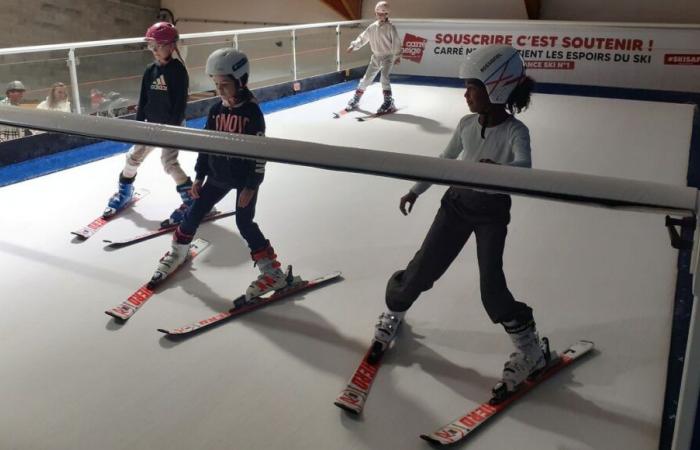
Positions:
{"x": 14, "y": 95}
{"x": 57, "y": 100}
{"x": 384, "y": 40}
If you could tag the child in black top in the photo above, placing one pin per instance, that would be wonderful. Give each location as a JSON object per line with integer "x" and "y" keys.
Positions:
{"x": 238, "y": 112}
{"x": 163, "y": 99}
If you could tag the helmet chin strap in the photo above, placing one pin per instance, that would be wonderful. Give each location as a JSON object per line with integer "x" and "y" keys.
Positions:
{"x": 485, "y": 116}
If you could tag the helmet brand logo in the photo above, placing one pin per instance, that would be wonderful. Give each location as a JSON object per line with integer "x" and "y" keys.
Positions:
{"x": 489, "y": 62}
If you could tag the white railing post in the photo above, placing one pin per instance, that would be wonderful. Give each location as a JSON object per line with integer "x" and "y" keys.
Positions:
{"x": 294, "y": 54}
{"x": 337, "y": 47}
{"x": 73, "y": 72}
{"x": 235, "y": 41}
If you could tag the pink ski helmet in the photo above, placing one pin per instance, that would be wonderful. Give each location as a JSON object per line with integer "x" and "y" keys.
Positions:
{"x": 162, "y": 33}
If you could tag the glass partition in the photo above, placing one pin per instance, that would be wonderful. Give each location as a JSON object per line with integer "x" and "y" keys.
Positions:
{"x": 316, "y": 51}
{"x": 37, "y": 72}
{"x": 110, "y": 78}
{"x": 270, "y": 55}
{"x": 348, "y": 33}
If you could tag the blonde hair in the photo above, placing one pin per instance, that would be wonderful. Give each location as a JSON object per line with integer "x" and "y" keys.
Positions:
{"x": 51, "y": 99}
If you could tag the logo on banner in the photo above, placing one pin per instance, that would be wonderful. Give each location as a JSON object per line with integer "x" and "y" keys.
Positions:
{"x": 413, "y": 47}
{"x": 682, "y": 60}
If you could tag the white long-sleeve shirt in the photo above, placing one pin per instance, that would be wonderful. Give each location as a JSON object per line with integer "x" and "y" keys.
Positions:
{"x": 382, "y": 37}
{"x": 507, "y": 143}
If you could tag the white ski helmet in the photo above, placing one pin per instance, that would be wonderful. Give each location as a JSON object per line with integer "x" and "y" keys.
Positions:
{"x": 230, "y": 62}
{"x": 382, "y": 7}
{"x": 499, "y": 67}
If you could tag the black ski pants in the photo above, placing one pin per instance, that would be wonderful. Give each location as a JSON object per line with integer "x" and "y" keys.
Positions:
{"x": 462, "y": 212}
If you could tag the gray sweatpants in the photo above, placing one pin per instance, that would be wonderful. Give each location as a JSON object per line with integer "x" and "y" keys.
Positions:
{"x": 168, "y": 157}
{"x": 462, "y": 212}
{"x": 376, "y": 64}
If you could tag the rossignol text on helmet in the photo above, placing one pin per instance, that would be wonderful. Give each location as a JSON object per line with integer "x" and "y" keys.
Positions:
{"x": 162, "y": 33}
{"x": 229, "y": 62}
{"x": 499, "y": 67}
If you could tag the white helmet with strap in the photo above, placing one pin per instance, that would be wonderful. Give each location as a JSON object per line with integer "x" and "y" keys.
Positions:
{"x": 499, "y": 67}
{"x": 229, "y": 62}
{"x": 382, "y": 7}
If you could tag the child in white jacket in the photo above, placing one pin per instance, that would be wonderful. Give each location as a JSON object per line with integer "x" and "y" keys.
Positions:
{"x": 386, "y": 51}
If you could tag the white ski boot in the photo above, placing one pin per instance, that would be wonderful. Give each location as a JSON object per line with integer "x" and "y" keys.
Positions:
{"x": 271, "y": 277}
{"x": 386, "y": 328}
{"x": 354, "y": 101}
{"x": 531, "y": 356}
{"x": 173, "y": 259}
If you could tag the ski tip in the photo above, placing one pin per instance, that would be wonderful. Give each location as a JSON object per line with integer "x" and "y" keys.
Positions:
{"x": 347, "y": 408}
{"x": 430, "y": 439}
{"x": 164, "y": 331}
{"x": 117, "y": 317}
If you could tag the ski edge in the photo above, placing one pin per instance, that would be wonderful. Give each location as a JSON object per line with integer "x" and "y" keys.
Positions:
{"x": 203, "y": 324}
{"x": 566, "y": 358}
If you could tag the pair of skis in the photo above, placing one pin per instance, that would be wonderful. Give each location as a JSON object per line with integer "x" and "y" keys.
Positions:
{"x": 93, "y": 227}
{"x": 353, "y": 397}
{"x": 135, "y": 301}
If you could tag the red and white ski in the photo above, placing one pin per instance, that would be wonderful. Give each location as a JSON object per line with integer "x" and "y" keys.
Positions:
{"x": 136, "y": 300}
{"x": 352, "y": 399}
{"x": 241, "y": 306}
{"x": 161, "y": 231}
{"x": 464, "y": 426}
{"x": 94, "y": 226}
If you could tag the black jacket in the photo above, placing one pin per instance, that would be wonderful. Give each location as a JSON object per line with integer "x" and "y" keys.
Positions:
{"x": 163, "y": 96}
{"x": 246, "y": 118}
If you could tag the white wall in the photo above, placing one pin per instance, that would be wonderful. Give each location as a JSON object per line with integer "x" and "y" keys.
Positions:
{"x": 655, "y": 11}
{"x": 53, "y": 21}
{"x": 310, "y": 11}
{"x": 452, "y": 9}
{"x": 268, "y": 11}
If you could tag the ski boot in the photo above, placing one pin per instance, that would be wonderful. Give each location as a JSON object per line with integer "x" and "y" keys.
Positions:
{"x": 388, "y": 105}
{"x": 271, "y": 277}
{"x": 384, "y": 332}
{"x": 173, "y": 259}
{"x": 178, "y": 215}
{"x": 532, "y": 355}
{"x": 354, "y": 101}
{"x": 121, "y": 198}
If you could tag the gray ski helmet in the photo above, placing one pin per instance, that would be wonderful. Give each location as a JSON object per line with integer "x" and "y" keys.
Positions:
{"x": 229, "y": 62}
{"x": 15, "y": 86}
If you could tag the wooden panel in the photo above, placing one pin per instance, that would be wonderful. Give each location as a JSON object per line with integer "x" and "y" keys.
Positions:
{"x": 349, "y": 9}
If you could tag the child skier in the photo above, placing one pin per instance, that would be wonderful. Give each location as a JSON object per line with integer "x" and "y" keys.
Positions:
{"x": 497, "y": 88}
{"x": 386, "y": 51}
{"x": 163, "y": 99}
{"x": 236, "y": 112}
